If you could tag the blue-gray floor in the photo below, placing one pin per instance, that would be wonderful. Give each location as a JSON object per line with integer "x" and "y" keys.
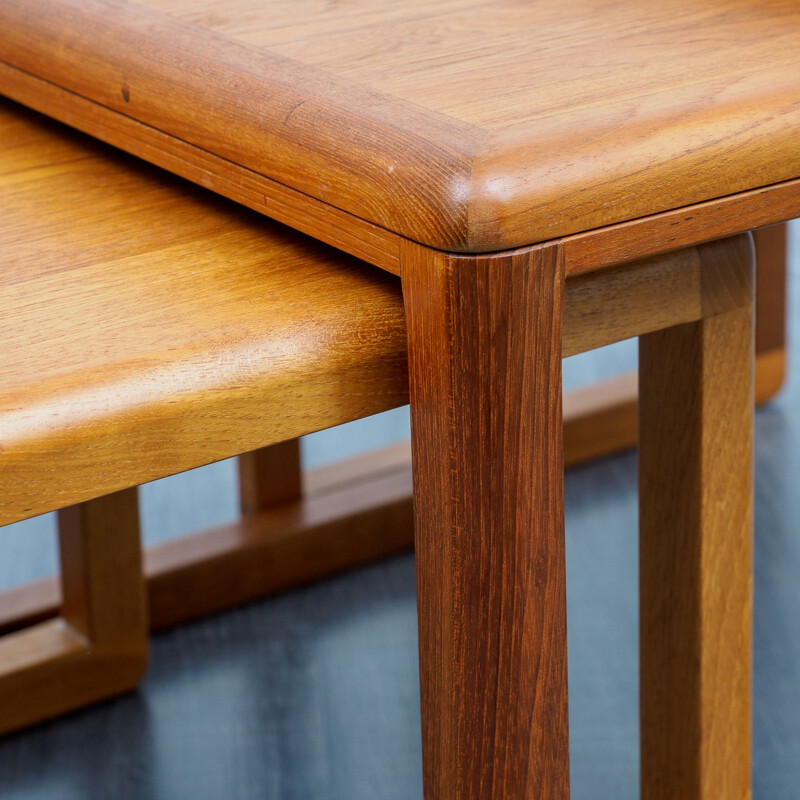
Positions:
{"x": 314, "y": 694}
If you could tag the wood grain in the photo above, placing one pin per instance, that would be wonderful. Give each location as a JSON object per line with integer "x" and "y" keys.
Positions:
{"x": 101, "y": 571}
{"x": 270, "y": 476}
{"x": 150, "y": 327}
{"x": 484, "y": 339}
{"x": 98, "y": 647}
{"x": 681, "y": 227}
{"x": 280, "y": 548}
{"x": 467, "y": 126}
{"x": 603, "y": 419}
{"x": 236, "y": 288}
{"x": 352, "y": 512}
{"x": 325, "y": 222}
{"x": 601, "y": 308}
{"x": 598, "y": 421}
{"x": 696, "y": 539}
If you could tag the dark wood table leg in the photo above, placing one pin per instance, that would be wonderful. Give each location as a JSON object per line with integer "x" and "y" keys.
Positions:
{"x": 485, "y": 371}
{"x": 696, "y": 496}
{"x": 770, "y": 302}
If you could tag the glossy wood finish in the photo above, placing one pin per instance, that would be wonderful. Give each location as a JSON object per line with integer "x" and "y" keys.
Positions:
{"x": 490, "y": 530}
{"x": 600, "y": 420}
{"x": 596, "y": 249}
{"x": 350, "y": 513}
{"x": 325, "y": 222}
{"x": 696, "y": 540}
{"x": 484, "y": 340}
{"x": 484, "y": 357}
{"x": 143, "y": 316}
{"x": 447, "y": 123}
{"x": 98, "y": 646}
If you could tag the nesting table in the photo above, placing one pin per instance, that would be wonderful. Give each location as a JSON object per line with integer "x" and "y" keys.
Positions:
{"x": 509, "y": 162}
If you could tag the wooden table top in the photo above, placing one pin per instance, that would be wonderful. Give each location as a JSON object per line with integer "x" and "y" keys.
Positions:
{"x": 468, "y": 125}
{"x": 149, "y": 327}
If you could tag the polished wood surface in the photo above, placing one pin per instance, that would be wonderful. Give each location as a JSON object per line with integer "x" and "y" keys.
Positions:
{"x": 350, "y": 513}
{"x": 603, "y": 419}
{"x": 696, "y": 542}
{"x": 598, "y": 421}
{"x": 682, "y": 227}
{"x": 485, "y": 349}
{"x": 489, "y": 533}
{"x": 98, "y": 646}
{"x": 463, "y": 125}
{"x": 64, "y": 269}
{"x": 149, "y": 327}
{"x": 484, "y": 342}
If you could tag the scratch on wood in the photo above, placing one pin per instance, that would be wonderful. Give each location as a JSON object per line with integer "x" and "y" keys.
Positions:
{"x": 291, "y": 111}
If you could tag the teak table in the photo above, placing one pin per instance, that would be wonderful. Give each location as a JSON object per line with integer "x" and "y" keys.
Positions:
{"x": 488, "y": 152}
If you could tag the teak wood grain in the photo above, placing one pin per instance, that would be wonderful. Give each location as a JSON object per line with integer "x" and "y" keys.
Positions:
{"x": 603, "y": 419}
{"x": 485, "y": 347}
{"x": 696, "y": 545}
{"x": 191, "y": 338}
{"x": 98, "y": 646}
{"x": 484, "y": 342}
{"x": 467, "y": 126}
{"x": 149, "y": 327}
{"x": 349, "y": 514}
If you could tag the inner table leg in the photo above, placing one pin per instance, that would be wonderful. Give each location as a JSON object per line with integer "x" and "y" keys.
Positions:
{"x": 270, "y": 476}
{"x": 101, "y": 573}
{"x": 696, "y": 496}
{"x": 485, "y": 378}
{"x": 98, "y": 646}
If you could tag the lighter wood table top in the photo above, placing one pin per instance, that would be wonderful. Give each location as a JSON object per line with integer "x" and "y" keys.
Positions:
{"x": 465, "y": 125}
{"x": 148, "y": 327}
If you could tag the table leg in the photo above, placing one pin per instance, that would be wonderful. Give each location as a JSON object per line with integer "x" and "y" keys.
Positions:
{"x": 485, "y": 379}
{"x": 770, "y": 303}
{"x": 696, "y": 496}
{"x": 98, "y": 646}
{"x": 270, "y": 476}
{"x": 101, "y": 573}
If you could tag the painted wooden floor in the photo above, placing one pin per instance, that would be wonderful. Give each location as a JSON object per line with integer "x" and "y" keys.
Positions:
{"x": 314, "y": 694}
